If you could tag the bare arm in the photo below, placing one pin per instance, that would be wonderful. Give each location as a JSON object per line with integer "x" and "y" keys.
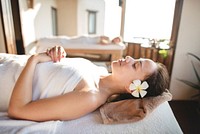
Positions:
{"x": 64, "y": 107}
{"x": 22, "y": 92}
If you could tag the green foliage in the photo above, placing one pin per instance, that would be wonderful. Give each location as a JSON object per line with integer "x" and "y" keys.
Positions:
{"x": 163, "y": 52}
{"x": 189, "y": 83}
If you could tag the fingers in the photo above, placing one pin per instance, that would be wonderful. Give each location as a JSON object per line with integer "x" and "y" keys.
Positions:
{"x": 63, "y": 53}
{"x": 56, "y": 53}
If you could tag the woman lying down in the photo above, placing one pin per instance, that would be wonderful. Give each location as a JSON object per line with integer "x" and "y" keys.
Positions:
{"x": 47, "y": 86}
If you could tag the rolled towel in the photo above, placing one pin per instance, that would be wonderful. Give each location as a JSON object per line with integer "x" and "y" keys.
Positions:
{"x": 131, "y": 110}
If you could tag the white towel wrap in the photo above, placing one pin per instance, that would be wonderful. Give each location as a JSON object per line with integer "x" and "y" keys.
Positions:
{"x": 50, "y": 79}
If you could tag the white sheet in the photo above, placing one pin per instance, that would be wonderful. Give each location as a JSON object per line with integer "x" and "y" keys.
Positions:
{"x": 79, "y": 43}
{"x": 160, "y": 121}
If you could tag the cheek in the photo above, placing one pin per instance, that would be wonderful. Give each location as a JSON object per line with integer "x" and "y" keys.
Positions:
{"x": 136, "y": 75}
{"x": 128, "y": 72}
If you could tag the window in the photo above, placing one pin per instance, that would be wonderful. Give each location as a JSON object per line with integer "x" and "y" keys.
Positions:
{"x": 150, "y": 19}
{"x": 54, "y": 20}
{"x": 91, "y": 22}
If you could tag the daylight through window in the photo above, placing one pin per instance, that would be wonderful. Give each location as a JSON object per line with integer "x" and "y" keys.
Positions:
{"x": 150, "y": 19}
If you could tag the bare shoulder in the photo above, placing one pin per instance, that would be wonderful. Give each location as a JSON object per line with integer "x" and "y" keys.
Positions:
{"x": 90, "y": 95}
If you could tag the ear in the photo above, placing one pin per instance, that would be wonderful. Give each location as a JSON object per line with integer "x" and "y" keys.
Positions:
{"x": 127, "y": 89}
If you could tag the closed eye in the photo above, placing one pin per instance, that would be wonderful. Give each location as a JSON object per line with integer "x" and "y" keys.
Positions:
{"x": 137, "y": 64}
{"x": 140, "y": 63}
{"x": 134, "y": 66}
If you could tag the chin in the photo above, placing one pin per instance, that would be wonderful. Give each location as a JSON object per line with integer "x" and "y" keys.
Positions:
{"x": 115, "y": 65}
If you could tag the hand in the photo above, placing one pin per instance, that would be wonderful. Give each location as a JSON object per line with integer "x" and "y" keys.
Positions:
{"x": 104, "y": 40}
{"x": 39, "y": 58}
{"x": 56, "y": 53}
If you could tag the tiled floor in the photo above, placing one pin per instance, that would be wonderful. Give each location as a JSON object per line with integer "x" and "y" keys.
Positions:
{"x": 187, "y": 116}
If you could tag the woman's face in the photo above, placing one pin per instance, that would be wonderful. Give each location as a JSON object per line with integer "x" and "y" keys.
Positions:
{"x": 131, "y": 69}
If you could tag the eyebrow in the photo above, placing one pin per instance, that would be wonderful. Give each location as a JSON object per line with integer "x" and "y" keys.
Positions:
{"x": 141, "y": 64}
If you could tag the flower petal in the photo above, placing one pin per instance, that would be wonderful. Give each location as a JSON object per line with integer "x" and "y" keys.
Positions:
{"x": 132, "y": 86}
{"x": 135, "y": 93}
{"x": 144, "y": 85}
{"x": 137, "y": 82}
{"x": 143, "y": 93}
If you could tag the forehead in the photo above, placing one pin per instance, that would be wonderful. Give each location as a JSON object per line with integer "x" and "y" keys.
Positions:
{"x": 148, "y": 66}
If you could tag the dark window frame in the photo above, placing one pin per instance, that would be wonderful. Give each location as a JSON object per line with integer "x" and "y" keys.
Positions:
{"x": 54, "y": 21}
{"x": 92, "y": 26}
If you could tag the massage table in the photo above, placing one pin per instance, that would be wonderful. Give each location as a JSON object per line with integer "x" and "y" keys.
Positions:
{"x": 81, "y": 46}
{"x": 160, "y": 121}
{"x": 115, "y": 51}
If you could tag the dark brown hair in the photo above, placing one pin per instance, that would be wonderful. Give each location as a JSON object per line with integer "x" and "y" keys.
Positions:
{"x": 158, "y": 81}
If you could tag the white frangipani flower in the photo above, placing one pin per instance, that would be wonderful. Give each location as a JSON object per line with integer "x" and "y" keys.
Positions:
{"x": 138, "y": 89}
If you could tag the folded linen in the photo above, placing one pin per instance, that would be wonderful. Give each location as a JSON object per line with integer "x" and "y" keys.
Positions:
{"x": 131, "y": 110}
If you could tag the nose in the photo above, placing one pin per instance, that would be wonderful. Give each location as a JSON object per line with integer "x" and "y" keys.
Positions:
{"x": 128, "y": 58}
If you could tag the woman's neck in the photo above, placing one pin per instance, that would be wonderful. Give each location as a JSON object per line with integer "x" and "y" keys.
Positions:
{"x": 109, "y": 85}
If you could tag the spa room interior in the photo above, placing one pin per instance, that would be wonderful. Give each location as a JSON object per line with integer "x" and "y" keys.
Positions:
{"x": 164, "y": 31}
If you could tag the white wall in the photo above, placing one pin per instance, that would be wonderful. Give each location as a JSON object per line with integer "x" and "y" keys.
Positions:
{"x": 36, "y": 22}
{"x": 67, "y": 17}
{"x": 188, "y": 41}
{"x": 72, "y": 18}
{"x": 113, "y": 14}
{"x": 108, "y": 17}
{"x": 43, "y": 20}
{"x": 94, "y": 5}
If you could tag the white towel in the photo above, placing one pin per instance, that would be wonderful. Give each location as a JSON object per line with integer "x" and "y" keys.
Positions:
{"x": 10, "y": 68}
{"x": 50, "y": 79}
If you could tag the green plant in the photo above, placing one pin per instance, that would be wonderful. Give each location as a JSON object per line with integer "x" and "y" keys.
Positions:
{"x": 163, "y": 52}
{"x": 189, "y": 83}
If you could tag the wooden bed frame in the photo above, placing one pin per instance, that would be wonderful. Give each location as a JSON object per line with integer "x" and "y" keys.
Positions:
{"x": 115, "y": 54}
{"x": 82, "y": 47}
